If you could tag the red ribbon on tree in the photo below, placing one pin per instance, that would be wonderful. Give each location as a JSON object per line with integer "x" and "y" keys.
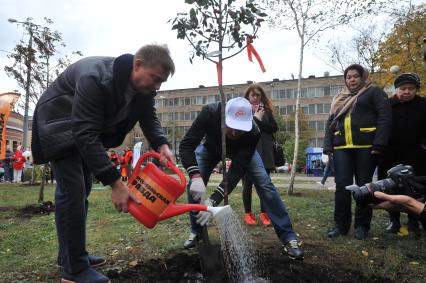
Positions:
{"x": 251, "y": 51}
{"x": 219, "y": 73}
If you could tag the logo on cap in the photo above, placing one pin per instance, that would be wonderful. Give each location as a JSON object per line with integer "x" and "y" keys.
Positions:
{"x": 240, "y": 114}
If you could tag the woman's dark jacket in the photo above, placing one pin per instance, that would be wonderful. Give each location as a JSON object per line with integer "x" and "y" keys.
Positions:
{"x": 267, "y": 127}
{"x": 367, "y": 126}
{"x": 407, "y": 142}
{"x": 85, "y": 109}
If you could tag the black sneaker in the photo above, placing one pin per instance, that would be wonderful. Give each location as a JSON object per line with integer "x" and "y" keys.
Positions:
{"x": 87, "y": 275}
{"x": 94, "y": 261}
{"x": 360, "y": 233}
{"x": 293, "y": 250}
{"x": 192, "y": 241}
{"x": 413, "y": 228}
{"x": 393, "y": 227}
{"x": 336, "y": 232}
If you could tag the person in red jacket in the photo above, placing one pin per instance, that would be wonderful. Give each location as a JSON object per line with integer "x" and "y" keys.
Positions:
{"x": 18, "y": 164}
{"x": 128, "y": 159}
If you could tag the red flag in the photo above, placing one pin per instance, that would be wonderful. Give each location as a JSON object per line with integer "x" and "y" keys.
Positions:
{"x": 7, "y": 100}
{"x": 251, "y": 51}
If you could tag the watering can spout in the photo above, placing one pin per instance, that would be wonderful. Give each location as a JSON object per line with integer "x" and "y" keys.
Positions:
{"x": 218, "y": 210}
{"x": 177, "y": 209}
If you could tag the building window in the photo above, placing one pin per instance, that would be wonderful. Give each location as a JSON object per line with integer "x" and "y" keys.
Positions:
{"x": 320, "y": 125}
{"x": 327, "y": 108}
{"x": 320, "y": 108}
{"x": 326, "y": 90}
{"x": 283, "y": 110}
{"x": 319, "y": 92}
{"x": 312, "y": 109}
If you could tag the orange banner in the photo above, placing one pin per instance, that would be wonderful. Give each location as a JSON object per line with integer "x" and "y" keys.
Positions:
{"x": 251, "y": 51}
{"x": 7, "y": 100}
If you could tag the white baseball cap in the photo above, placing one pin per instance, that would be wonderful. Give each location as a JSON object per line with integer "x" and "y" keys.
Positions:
{"x": 238, "y": 114}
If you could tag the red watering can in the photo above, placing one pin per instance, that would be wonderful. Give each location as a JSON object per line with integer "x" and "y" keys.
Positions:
{"x": 158, "y": 193}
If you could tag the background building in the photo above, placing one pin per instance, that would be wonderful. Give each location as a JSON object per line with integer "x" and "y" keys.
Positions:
{"x": 14, "y": 132}
{"x": 178, "y": 108}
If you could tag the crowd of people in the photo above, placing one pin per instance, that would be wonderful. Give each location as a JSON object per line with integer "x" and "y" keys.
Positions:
{"x": 13, "y": 165}
{"x": 96, "y": 101}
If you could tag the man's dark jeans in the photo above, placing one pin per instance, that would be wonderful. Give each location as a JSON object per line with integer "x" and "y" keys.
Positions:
{"x": 8, "y": 172}
{"x": 348, "y": 163}
{"x": 73, "y": 185}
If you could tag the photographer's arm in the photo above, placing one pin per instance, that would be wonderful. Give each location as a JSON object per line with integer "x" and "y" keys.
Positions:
{"x": 394, "y": 202}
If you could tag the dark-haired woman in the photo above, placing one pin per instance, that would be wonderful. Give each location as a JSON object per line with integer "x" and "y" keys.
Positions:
{"x": 357, "y": 132}
{"x": 262, "y": 115}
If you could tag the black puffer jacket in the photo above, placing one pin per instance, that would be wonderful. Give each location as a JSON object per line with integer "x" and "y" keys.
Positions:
{"x": 84, "y": 109}
{"x": 368, "y": 124}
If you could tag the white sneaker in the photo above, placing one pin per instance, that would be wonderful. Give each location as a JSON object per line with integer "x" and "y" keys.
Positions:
{"x": 192, "y": 241}
{"x": 319, "y": 183}
{"x": 332, "y": 188}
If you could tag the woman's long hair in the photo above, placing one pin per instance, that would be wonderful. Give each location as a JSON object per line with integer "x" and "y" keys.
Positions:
{"x": 267, "y": 103}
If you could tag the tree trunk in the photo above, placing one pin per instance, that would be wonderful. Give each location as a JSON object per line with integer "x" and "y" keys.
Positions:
{"x": 222, "y": 115}
{"x": 43, "y": 179}
{"x": 296, "y": 120}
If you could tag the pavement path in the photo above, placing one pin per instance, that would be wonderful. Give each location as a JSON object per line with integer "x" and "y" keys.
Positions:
{"x": 282, "y": 180}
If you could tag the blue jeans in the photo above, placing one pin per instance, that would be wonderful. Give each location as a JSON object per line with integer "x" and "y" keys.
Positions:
{"x": 350, "y": 163}
{"x": 8, "y": 172}
{"x": 267, "y": 192}
{"x": 73, "y": 186}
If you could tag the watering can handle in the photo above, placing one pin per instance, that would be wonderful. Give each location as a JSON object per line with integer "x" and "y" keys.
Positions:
{"x": 169, "y": 164}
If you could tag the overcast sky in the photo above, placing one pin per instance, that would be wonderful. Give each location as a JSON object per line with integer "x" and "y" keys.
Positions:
{"x": 112, "y": 28}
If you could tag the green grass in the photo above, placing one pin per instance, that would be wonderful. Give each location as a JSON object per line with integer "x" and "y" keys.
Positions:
{"x": 28, "y": 245}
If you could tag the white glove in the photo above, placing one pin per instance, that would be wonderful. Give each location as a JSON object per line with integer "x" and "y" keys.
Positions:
{"x": 197, "y": 189}
{"x": 203, "y": 217}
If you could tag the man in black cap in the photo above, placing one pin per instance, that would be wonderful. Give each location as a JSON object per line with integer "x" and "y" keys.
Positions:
{"x": 407, "y": 142}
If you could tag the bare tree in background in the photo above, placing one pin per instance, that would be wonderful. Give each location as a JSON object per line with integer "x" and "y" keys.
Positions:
{"x": 310, "y": 18}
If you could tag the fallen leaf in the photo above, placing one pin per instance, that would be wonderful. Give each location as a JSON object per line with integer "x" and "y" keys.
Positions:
{"x": 364, "y": 253}
{"x": 403, "y": 231}
{"x": 114, "y": 252}
{"x": 414, "y": 262}
{"x": 133, "y": 263}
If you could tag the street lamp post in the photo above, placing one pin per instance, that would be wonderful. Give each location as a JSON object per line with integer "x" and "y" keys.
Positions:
{"x": 29, "y": 26}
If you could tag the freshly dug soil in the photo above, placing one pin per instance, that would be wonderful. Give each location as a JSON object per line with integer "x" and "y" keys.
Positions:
{"x": 185, "y": 267}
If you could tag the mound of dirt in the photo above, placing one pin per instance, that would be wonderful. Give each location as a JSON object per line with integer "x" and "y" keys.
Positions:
{"x": 185, "y": 267}
{"x": 44, "y": 208}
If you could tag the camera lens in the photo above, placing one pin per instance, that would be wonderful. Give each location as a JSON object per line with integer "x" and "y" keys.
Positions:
{"x": 365, "y": 194}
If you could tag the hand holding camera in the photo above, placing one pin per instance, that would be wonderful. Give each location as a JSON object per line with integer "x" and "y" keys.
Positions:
{"x": 401, "y": 181}
{"x": 399, "y": 203}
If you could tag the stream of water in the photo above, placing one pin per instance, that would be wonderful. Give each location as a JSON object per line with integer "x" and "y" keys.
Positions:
{"x": 241, "y": 261}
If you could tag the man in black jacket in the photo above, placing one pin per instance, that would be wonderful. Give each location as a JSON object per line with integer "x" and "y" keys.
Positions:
{"x": 242, "y": 136}
{"x": 407, "y": 142}
{"x": 91, "y": 106}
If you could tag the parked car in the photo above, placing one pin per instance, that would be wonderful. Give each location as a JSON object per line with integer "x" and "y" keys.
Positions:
{"x": 282, "y": 169}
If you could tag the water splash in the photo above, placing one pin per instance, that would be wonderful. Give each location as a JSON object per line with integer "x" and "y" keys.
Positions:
{"x": 240, "y": 258}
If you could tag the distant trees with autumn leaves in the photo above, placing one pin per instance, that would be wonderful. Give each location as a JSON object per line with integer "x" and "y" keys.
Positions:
{"x": 403, "y": 46}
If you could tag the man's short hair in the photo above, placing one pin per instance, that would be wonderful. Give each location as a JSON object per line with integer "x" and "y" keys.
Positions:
{"x": 152, "y": 55}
